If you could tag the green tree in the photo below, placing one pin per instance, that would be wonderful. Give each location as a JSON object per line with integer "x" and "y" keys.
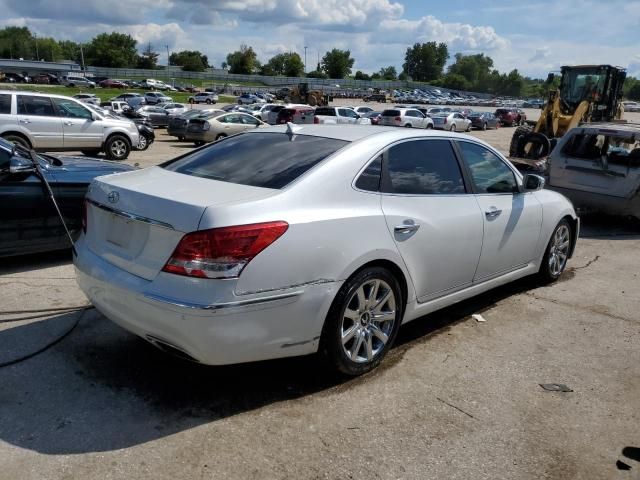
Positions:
{"x": 634, "y": 91}
{"x": 455, "y": 82}
{"x": 69, "y": 50}
{"x": 148, "y": 59}
{"x": 424, "y": 62}
{"x": 388, "y": 73}
{"x": 48, "y": 49}
{"x": 288, "y": 64}
{"x": 362, "y": 76}
{"x": 337, "y": 63}
{"x": 17, "y": 42}
{"x": 244, "y": 61}
{"x": 115, "y": 50}
{"x": 190, "y": 60}
{"x": 317, "y": 73}
{"x": 475, "y": 69}
{"x": 403, "y": 76}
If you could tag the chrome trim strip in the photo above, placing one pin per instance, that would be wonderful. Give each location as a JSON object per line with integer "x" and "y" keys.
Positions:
{"x": 131, "y": 216}
{"x": 220, "y": 306}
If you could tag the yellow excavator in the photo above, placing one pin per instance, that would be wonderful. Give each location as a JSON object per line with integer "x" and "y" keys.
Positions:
{"x": 587, "y": 93}
{"x": 302, "y": 94}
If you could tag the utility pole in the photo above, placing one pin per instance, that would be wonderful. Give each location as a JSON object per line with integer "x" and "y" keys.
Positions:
{"x": 305, "y": 60}
{"x": 168, "y": 61}
{"x": 37, "y": 54}
{"x": 81, "y": 57}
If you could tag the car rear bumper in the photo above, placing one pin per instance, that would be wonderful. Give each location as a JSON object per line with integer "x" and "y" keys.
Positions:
{"x": 279, "y": 323}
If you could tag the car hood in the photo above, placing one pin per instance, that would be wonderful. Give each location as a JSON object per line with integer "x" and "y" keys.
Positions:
{"x": 80, "y": 168}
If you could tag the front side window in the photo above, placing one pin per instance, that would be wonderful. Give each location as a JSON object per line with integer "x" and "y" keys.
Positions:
{"x": 489, "y": 173}
{"x": 39, "y": 106}
{"x": 268, "y": 160}
{"x": 423, "y": 167}
{"x": 69, "y": 108}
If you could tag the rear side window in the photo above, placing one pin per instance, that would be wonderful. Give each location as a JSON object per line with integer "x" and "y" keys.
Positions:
{"x": 391, "y": 113}
{"x": 268, "y": 160}
{"x": 369, "y": 180}
{"x": 423, "y": 167}
{"x": 39, "y": 106}
{"x": 330, "y": 112}
{"x": 5, "y": 103}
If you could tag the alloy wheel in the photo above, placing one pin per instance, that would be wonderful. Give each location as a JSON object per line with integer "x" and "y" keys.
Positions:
{"x": 559, "y": 250}
{"x": 118, "y": 148}
{"x": 368, "y": 321}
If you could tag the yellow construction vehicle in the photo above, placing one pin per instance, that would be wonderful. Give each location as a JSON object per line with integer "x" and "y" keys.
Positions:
{"x": 302, "y": 94}
{"x": 587, "y": 93}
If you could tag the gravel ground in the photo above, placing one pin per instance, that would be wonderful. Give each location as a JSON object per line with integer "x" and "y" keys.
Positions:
{"x": 455, "y": 399}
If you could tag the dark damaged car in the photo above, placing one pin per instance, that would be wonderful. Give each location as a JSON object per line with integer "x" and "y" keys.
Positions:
{"x": 28, "y": 219}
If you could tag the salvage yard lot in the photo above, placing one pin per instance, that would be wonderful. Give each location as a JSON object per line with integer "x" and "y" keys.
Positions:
{"x": 455, "y": 399}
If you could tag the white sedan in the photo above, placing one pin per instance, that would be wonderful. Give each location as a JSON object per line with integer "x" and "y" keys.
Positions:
{"x": 175, "y": 108}
{"x": 291, "y": 240}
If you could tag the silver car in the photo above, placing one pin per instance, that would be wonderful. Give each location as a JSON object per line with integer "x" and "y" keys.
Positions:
{"x": 290, "y": 240}
{"x": 58, "y": 123}
{"x": 452, "y": 121}
{"x": 405, "y": 117}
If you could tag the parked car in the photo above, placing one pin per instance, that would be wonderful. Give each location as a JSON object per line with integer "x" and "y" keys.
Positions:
{"x": 598, "y": 168}
{"x": 483, "y": 120}
{"x": 272, "y": 114}
{"x": 510, "y": 116}
{"x": 146, "y": 135}
{"x": 216, "y": 126}
{"x": 339, "y": 115}
{"x": 111, "y": 83}
{"x": 204, "y": 97}
{"x": 58, "y": 123}
{"x": 261, "y": 110}
{"x": 178, "y": 125}
{"x": 154, "y": 98}
{"x": 395, "y": 229}
{"x": 41, "y": 78}
{"x": 134, "y": 100}
{"x": 91, "y": 98}
{"x": 157, "y": 116}
{"x": 77, "y": 81}
{"x": 375, "y": 97}
{"x": 631, "y": 106}
{"x": 175, "y": 108}
{"x": 405, "y": 117}
{"x": 248, "y": 99}
{"x": 153, "y": 84}
{"x": 299, "y": 115}
{"x": 452, "y": 121}
{"x": 11, "y": 77}
{"x": 374, "y": 117}
{"x": 362, "y": 111}
{"x": 31, "y": 224}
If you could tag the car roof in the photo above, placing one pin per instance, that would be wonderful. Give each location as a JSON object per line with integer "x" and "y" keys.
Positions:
{"x": 609, "y": 127}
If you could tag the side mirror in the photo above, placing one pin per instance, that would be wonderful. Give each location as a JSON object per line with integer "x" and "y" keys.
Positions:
{"x": 21, "y": 165}
{"x": 532, "y": 182}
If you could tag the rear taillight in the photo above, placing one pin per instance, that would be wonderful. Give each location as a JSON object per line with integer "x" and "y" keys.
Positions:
{"x": 398, "y": 119}
{"x": 85, "y": 206}
{"x": 445, "y": 120}
{"x": 316, "y": 120}
{"x": 222, "y": 252}
{"x": 206, "y": 126}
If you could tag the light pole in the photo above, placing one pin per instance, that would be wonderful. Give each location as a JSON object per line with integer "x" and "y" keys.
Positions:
{"x": 305, "y": 60}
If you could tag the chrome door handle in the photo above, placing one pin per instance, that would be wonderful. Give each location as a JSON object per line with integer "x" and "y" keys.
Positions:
{"x": 493, "y": 212}
{"x": 24, "y": 120}
{"x": 404, "y": 229}
{"x": 69, "y": 123}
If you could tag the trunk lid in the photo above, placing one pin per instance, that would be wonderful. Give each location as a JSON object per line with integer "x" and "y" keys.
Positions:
{"x": 136, "y": 219}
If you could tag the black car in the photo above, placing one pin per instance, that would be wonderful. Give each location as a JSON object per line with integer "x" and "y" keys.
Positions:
{"x": 28, "y": 220}
{"x": 158, "y": 116}
{"x": 483, "y": 120}
{"x": 178, "y": 124}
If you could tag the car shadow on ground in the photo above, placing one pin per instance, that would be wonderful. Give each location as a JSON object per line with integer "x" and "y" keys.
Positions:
{"x": 35, "y": 261}
{"x": 103, "y": 389}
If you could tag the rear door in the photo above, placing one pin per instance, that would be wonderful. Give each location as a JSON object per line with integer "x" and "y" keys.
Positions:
{"x": 512, "y": 220}
{"x": 435, "y": 222}
{"x": 38, "y": 115}
{"x": 79, "y": 128}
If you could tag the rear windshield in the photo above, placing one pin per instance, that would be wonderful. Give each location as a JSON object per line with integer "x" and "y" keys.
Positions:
{"x": 268, "y": 160}
{"x": 391, "y": 113}
{"x": 327, "y": 111}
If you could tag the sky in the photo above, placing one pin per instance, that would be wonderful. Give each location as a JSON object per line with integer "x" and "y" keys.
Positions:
{"x": 534, "y": 37}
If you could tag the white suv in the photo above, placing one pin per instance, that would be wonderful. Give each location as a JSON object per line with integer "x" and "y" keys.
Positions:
{"x": 58, "y": 123}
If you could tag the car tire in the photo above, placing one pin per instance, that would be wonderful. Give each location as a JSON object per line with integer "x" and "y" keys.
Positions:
{"x": 484, "y": 126}
{"x": 453, "y": 128}
{"x": 519, "y": 133}
{"x": 557, "y": 254}
{"x": 220, "y": 136}
{"x": 90, "y": 153}
{"x": 429, "y": 126}
{"x": 192, "y": 101}
{"x": 18, "y": 140}
{"x": 117, "y": 147}
{"x": 468, "y": 128}
{"x": 408, "y": 125}
{"x": 181, "y": 138}
{"x": 143, "y": 143}
{"x": 353, "y": 342}
{"x": 208, "y": 101}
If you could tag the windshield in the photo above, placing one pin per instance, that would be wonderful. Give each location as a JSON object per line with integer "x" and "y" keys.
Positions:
{"x": 583, "y": 84}
{"x": 267, "y": 160}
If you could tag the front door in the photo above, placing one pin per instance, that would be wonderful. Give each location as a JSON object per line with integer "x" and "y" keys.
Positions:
{"x": 81, "y": 131}
{"x": 435, "y": 222}
{"x": 512, "y": 220}
{"x": 38, "y": 116}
